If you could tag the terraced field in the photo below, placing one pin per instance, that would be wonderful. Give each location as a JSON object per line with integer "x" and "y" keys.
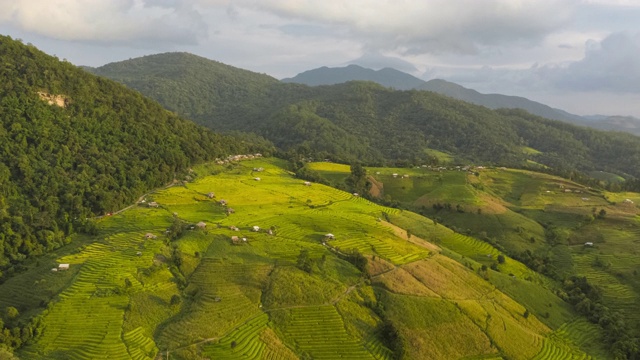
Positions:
{"x": 206, "y": 295}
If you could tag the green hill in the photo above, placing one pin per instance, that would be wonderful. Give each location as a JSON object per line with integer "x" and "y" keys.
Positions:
{"x": 288, "y": 291}
{"x": 370, "y": 123}
{"x": 75, "y": 146}
{"x": 555, "y": 226}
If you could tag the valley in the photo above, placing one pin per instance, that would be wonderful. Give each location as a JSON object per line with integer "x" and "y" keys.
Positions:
{"x": 289, "y": 291}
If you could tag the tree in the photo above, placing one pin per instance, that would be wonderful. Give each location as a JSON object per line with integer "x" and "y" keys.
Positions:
{"x": 501, "y": 259}
{"x": 11, "y": 312}
{"x": 357, "y": 181}
{"x": 176, "y": 300}
{"x": 526, "y": 313}
{"x": 602, "y": 213}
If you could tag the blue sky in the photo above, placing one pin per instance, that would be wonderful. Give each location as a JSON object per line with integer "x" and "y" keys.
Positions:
{"x": 579, "y": 55}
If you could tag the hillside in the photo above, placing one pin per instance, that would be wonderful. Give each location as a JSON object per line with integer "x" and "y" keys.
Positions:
{"x": 75, "y": 146}
{"x": 377, "y": 125}
{"x": 370, "y": 291}
{"x": 197, "y": 88}
{"x": 555, "y": 226}
{"x": 402, "y": 81}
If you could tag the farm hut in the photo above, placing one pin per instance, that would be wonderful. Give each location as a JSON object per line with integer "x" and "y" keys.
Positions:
{"x": 256, "y": 179}
{"x": 54, "y": 269}
{"x": 201, "y": 225}
{"x": 394, "y": 175}
{"x": 149, "y": 236}
{"x": 223, "y": 202}
{"x": 63, "y": 267}
{"x": 153, "y": 204}
{"x": 377, "y": 172}
{"x": 628, "y": 201}
{"x": 329, "y": 236}
{"x": 139, "y": 253}
{"x": 356, "y": 194}
{"x": 405, "y": 176}
{"x": 211, "y": 195}
{"x": 588, "y": 243}
{"x": 270, "y": 232}
{"x": 307, "y": 183}
{"x": 235, "y": 240}
{"x": 256, "y": 228}
{"x": 233, "y": 228}
{"x": 244, "y": 239}
{"x": 230, "y": 211}
{"x": 585, "y": 199}
{"x": 175, "y": 214}
{"x": 258, "y": 169}
{"x": 567, "y": 190}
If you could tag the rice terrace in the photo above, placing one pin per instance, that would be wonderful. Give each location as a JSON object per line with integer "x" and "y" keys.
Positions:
{"x": 249, "y": 262}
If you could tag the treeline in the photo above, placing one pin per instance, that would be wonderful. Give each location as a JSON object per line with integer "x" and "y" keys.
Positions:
{"x": 587, "y": 300}
{"x": 99, "y": 149}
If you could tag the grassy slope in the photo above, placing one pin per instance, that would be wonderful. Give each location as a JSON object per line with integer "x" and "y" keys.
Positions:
{"x": 249, "y": 301}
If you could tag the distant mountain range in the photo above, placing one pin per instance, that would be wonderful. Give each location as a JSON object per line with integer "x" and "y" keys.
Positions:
{"x": 402, "y": 81}
{"x": 365, "y": 121}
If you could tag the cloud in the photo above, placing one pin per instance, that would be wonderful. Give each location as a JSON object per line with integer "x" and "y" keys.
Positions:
{"x": 426, "y": 26}
{"x": 109, "y": 22}
{"x": 609, "y": 65}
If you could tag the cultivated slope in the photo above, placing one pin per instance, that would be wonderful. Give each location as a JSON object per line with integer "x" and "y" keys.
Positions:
{"x": 288, "y": 291}
{"x": 555, "y": 226}
{"x": 74, "y": 146}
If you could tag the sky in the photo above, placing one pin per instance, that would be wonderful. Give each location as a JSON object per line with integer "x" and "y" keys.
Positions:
{"x": 582, "y": 56}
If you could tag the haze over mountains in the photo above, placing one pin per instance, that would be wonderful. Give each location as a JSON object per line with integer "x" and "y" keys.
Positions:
{"x": 396, "y": 79}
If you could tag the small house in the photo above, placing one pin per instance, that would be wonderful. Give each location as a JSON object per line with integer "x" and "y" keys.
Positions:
{"x": 139, "y": 253}
{"x": 256, "y": 179}
{"x": 230, "y": 211}
{"x": 356, "y": 194}
{"x": 223, "y": 202}
{"x": 394, "y": 175}
{"x": 149, "y": 236}
{"x": 63, "y": 267}
{"x": 54, "y": 269}
{"x": 588, "y": 243}
{"x": 235, "y": 240}
{"x": 258, "y": 169}
{"x": 405, "y": 176}
{"x": 269, "y": 232}
{"x": 329, "y": 236}
{"x": 233, "y": 228}
{"x": 377, "y": 172}
{"x": 211, "y": 195}
{"x": 256, "y": 228}
{"x": 244, "y": 239}
{"x": 201, "y": 225}
{"x": 153, "y": 204}
{"x": 585, "y": 199}
{"x": 307, "y": 183}
{"x": 628, "y": 201}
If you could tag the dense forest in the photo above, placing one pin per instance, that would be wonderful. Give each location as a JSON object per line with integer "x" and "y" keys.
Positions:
{"x": 370, "y": 123}
{"x": 74, "y": 146}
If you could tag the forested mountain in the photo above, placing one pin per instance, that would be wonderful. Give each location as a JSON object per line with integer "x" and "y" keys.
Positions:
{"x": 330, "y": 76}
{"x": 403, "y": 81}
{"x": 74, "y": 145}
{"x": 193, "y": 86}
{"x": 371, "y": 123}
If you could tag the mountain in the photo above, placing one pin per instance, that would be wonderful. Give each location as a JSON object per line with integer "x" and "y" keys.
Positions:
{"x": 628, "y": 124}
{"x": 363, "y": 121}
{"x": 75, "y": 146}
{"x": 329, "y": 76}
{"x": 402, "y": 81}
{"x": 193, "y": 86}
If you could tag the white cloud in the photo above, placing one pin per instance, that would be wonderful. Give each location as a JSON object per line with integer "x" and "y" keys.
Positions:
{"x": 426, "y": 26}
{"x": 110, "y": 22}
